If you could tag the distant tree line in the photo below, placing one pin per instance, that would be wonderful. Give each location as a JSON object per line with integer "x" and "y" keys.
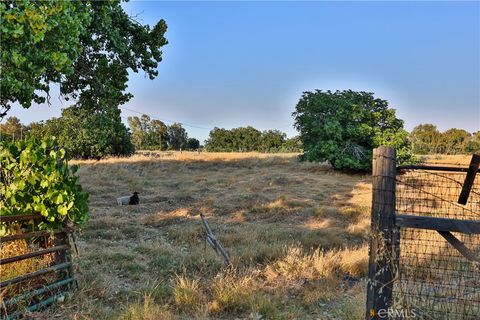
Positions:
{"x": 99, "y": 134}
{"x": 88, "y": 135}
{"x": 96, "y": 135}
{"x": 153, "y": 134}
{"x": 427, "y": 139}
{"x": 245, "y": 139}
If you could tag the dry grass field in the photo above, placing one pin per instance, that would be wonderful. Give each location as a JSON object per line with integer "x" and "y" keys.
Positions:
{"x": 295, "y": 232}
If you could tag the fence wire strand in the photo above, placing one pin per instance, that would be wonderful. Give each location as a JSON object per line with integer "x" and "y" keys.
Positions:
{"x": 434, "y": 279}
{"x": 435, "y": 194}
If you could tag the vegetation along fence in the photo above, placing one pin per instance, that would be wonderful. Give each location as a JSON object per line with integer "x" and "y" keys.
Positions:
{"x": 425, "y": 244}
{"x": 36, "y": 268}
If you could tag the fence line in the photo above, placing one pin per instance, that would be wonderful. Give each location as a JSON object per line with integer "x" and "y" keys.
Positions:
{"x": 425, "y": 252}
{"x": 49, "y": 254}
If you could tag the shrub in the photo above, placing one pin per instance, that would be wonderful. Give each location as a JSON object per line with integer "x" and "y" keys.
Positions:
{"x": 34, "y": 179}
{"x": 90, "y": 134}
{"x": 344, "y": 126}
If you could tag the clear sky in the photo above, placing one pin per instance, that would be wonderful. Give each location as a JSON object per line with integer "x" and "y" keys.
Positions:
{"x": 232, "y": 64}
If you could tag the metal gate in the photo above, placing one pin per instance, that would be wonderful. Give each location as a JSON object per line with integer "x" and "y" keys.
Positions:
{"x": 47, "y": 256}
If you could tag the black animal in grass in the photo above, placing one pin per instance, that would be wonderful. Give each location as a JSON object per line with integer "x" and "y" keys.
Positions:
{"x": 122, "y": 201}
{"x": 134, "y": 199}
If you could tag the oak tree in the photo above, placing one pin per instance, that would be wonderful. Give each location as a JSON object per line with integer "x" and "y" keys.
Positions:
{"x": 343, "y": 127}
{"x": 87, "y": 47}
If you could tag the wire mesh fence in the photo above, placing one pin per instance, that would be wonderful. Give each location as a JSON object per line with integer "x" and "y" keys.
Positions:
{"x": 435, "y": 280}
{"x": 435, "y": 194}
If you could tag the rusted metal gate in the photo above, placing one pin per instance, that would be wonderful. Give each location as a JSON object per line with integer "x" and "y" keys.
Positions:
{"x": 40, "y": 274}
{"x": 425, "y": 243}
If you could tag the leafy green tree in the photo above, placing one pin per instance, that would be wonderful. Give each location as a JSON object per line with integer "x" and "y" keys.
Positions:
{"x": 398, "y": 139}
{"x": 148, "y": 134}
{"x": 113, "y": 45}
{"x": 12, "y": 129}
{"x": 271, "y": 141}
{"x": 246, "y": 139}
{"x": 426, "y": 139}
{"x": 40, "y": 42}
{"x": 145, "y": 121}
{"x": 88, "y": 47}
{"x": 219, "y": 140}
{"x": 343, "y": 127}
{"x": 34, "y": 129}
{"x": 193, "y": 144}
{"x": 88, "y": 134}
{"x": 292, "y": 145}
{"x": 454, "y": 141}
{"x": 157, "y": 137}
{"x": 138, "y": 134}
{"x": 177, "y": 137}
{"x": 473, "y": 144}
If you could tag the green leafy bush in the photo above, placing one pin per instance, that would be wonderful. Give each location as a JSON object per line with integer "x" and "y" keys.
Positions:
{"x": 87, "y": 134}
{"x": 343, "y": 127}
{"x": 34, "y": 179}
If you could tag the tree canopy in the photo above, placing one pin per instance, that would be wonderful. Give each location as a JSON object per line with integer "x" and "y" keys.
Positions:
{"x": 87, "y": 47}
{"x": 156, "y": 135}
{"x": 40, "y": 43}
{"x": 193, "y": 144}
{"x": 88, "y": 134}
{"x": 473, "y": 145}
{"x": 245, "y": 139}
{"x": 12, "y": 129}
{"x": 177, "y": 137}
{"x": 343, "y": 127}
{"x": 427, "y": 139}
{"x": 454, "y": 141}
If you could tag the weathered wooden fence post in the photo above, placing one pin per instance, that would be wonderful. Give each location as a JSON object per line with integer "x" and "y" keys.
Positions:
{"x": 381, "y": 251}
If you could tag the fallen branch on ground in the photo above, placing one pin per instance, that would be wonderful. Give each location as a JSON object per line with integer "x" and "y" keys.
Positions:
{"x": 213, "y": 242}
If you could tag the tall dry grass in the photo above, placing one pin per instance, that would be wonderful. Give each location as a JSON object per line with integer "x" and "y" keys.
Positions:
{"x": 22, "y": 267}
{"x": 13, "y": 248}
{"x": 296, "y": 233}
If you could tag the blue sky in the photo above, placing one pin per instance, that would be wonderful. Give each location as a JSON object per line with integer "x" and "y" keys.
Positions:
{"x": 232, "y": 64}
